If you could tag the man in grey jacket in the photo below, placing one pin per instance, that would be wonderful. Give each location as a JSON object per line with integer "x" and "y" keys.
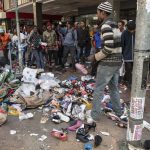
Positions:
{"x": 70, "y": 40}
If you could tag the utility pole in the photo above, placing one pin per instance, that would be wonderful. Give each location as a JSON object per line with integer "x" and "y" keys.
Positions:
{"x": 140, "y": 73}
{"x": 18, "y": 34}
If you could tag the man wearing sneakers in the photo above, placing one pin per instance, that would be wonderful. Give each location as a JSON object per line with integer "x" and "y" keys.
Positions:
{"x": 109, "y": 58}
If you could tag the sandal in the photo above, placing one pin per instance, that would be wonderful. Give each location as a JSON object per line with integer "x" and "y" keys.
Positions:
{"x": 59, "y": 135}
{"x": 76, "y": 126}
{"x": 121, "y": 124}
{"x": 44, "y": 118}
{"x": 55, "y": 103}
{"x": 81, "y": 68}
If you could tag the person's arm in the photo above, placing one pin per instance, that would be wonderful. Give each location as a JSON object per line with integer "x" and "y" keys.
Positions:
{"x": 107, "y": 35}
{"x": 75, "y": 38}
{"x": 123, "y": 41}
{"x": 56, "y": 40}
{"x": 44, "y": 37}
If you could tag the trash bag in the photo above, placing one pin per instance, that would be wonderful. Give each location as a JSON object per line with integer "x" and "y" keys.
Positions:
{"x": 37, "y": 100}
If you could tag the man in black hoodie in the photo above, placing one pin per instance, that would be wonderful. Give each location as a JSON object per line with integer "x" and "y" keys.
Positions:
{"x": 83, "y": 38}
{"x": 128, "y": 41}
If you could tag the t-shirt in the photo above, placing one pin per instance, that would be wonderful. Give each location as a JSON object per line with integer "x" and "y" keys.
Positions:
{"x": 5, "y": 40}
{"x": 22, "y": 40}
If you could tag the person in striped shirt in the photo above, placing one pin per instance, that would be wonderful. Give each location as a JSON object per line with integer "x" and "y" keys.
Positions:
{"x": 110, "y": 60}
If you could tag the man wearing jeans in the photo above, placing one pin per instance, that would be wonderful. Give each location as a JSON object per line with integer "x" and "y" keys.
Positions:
{"x": 109, "y": 58}
{"x": 69, "y": 45}
{"x": 35, "y": 40}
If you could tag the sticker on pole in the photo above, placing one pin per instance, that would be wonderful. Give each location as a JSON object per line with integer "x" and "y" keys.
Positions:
{"x": 137, "y": 134}
{"x": 148, "y": 6}
{"x": 137, "y": 108}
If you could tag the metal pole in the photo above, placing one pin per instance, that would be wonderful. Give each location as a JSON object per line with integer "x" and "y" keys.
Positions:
{"x": 18, "y": 34}
{"x": 140, "y": 72}
{"x": 34, "y": 12}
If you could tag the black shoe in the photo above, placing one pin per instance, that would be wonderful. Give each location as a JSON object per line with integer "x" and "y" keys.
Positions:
{"x": 97, "y": 140}
{"x": 82, "y": 138}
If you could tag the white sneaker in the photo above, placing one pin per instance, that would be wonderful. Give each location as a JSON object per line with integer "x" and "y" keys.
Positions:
{"x": 68, "y": 112}
{"x": 81, "y": 114}
{"x": 89, "y": 119}
{"x": 63, "y": 117}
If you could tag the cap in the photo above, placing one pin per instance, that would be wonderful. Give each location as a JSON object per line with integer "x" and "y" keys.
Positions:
{"x": 105, "y": 6}
{"x": 49, "y": 24}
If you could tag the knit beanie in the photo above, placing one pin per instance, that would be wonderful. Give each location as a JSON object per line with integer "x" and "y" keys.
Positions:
{"x": 105, "y": 6}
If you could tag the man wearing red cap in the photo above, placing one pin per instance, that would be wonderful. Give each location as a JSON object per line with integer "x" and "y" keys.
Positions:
{"x": 50, "y": 37}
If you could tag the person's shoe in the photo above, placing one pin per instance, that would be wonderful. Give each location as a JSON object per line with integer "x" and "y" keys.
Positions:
{"x": 55, "y": 118}
{"x": 63, "y": 117}
{"x": 82, "y": 138}
{"x": 76, "y": 126}
{"x": 59, "y": 135}
{"x": 89, "y": 118}
{"x": 90, "y": 126}
{"x": 81, "y": 68}
{"x": 97, "y": 140}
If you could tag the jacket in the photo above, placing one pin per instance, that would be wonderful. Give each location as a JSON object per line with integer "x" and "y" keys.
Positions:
{"x": 50, "y": 37}
{"x": 70, "y": 38}
{"x": 83, "y": 37}
{"x": 128, "y": 41}
{"x": 111, "y": 51}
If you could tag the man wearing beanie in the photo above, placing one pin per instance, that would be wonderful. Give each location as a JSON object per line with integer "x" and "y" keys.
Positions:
{"x": 110, "y": 59}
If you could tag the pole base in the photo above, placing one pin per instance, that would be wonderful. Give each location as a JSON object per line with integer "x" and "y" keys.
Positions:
{"x": 130, "y": 147}
{"x": 123, "y": 145}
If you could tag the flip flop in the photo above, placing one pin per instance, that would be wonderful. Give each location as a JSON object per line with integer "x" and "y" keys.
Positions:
{"x": 44, "y": 118}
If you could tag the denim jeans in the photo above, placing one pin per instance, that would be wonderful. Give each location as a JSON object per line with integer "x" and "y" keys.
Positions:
{"x": 24, "y": 55}
{"x": 72, "y": 51}
{"x": 38, "y": 58}
{"x": 80, "y": 52}
{"x": 106, "y": 75}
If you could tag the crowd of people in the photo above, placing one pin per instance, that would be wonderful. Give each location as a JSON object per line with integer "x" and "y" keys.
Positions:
{"x": 52, "y": 45}
{"x": 107, "y": 46}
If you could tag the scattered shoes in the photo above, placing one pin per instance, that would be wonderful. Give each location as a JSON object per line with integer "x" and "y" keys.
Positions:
{"x": 75, "y": 126}
{"x": 88, "y": 117}
{"x": 90, "y": 126}
{"x": 97, "y": 140}
{"x": 82, "y": 134}
{"x": 59, "y": 135}
{"x": 44, "y": 118}
{"x": 55, "y": 118}
{"x": 63, "y": 117}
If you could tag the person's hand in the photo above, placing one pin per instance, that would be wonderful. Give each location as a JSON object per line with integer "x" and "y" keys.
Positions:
{"x": 91, "y": 58}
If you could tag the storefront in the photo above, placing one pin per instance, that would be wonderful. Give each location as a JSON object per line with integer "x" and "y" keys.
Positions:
{"x": 26, "y": 19}
{"x": 90, "y": 19}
